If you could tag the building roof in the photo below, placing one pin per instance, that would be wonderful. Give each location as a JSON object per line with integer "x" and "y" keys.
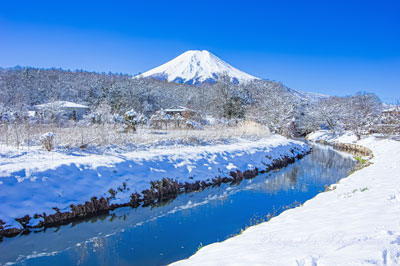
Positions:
{"x": 179, "y": 109}
{"x": 62, "y": 104}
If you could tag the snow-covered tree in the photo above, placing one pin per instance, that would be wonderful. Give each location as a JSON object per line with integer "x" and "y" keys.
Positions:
{"x": 363, "y": 111}
{"x": 273, "y": 106}
{"x": 132, "y": 119}
{"x": 101, "y": 114}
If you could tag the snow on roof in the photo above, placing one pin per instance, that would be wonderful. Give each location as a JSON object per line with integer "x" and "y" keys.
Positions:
{"x": 390, "y": 108}
{"x": 178, "y": 109}
{"x": 61, "y": 104}
{"x": 31, "y": 113}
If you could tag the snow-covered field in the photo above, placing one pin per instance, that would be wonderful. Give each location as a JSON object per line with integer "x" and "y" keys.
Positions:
{"x": 25, "y": 136}
{"x": 35, "y": 181}
{"x": 356, "y": 223}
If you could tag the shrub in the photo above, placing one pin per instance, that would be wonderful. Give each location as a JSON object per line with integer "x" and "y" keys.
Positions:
{"x": 48, "y": 140}
{"x": 361, "y": 160}
{"x": 133, "y": 119}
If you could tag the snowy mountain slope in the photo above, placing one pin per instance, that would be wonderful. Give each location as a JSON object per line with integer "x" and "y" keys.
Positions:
{"x": 313, "y": 96}
{"x": 195, "y": 67}
{"x": 308, "y": 96}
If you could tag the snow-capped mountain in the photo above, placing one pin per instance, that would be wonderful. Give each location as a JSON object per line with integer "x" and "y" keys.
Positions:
{"x": 195, "y": 67}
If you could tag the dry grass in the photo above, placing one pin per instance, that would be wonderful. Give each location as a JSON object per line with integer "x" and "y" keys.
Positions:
{"x": 23, "y": 136}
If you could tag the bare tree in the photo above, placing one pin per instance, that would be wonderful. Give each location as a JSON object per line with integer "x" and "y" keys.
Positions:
{"x": 274, "y": 106}
{"x": 363, "y": 112}
{"x": 228, "y": 100}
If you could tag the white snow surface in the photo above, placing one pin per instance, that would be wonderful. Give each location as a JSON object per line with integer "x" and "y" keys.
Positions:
{"x": 355, "y": 224}
{"x": 313, "y": 96}
{"x": 328, "y": 136}
{"x": 61, "y": 104}
{"x": 34, "y": 181}
{"x": 195, "y": 66}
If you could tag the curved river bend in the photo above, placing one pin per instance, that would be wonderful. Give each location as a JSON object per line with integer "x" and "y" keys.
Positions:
{"x": 164, "y": 234}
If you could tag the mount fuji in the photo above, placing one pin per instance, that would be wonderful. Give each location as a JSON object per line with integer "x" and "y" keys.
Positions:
{"x": 196, "y": 67}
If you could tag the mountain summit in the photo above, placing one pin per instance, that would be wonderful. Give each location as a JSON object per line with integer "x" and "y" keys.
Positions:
{"x": 195, "y": 67}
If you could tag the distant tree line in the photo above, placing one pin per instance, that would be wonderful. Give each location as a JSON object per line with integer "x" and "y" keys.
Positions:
{"x": 285, "y": 111}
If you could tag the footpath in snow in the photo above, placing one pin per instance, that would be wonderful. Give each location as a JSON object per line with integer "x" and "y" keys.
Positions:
{"x": 36, "y": 181}
{"x": 356, "y": 223}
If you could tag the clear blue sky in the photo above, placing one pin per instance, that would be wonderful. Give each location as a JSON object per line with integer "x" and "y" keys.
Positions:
{"x": 332, "y": 47}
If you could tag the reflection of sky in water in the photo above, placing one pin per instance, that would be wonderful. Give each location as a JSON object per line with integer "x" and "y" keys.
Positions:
{"x": 160, "y": 235}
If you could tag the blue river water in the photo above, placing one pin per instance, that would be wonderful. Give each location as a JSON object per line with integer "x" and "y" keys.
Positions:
{"x": 160, "y": 235}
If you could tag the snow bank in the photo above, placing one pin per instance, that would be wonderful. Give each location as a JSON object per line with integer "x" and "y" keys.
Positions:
{"x": 355, "y": 224}
{"x": 328, "y": 136}
{"x": 36, "y": 181}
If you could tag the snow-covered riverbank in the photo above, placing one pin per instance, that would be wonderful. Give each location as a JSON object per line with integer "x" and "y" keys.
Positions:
{"x": 356, "y": 223}
{"x": 36, "y": 181}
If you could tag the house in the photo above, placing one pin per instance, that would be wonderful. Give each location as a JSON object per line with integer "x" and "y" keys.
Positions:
{"x": 178, "y": 117}
{"x": 72, "y": 110}
{"x": 391, "y": 112}
{"x": 182, "y": 111}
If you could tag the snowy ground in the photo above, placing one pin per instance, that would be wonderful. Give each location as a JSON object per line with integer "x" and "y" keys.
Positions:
{"x": 327, "y": 136}
{"x": 357, "y": 223}
{"x": 34, "y": 181}
{"x": 26, "y": 136}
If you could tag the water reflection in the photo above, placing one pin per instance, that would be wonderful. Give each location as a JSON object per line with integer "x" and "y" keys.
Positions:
{"x": 160, "y": 235}
{"x": 321, "y": 167}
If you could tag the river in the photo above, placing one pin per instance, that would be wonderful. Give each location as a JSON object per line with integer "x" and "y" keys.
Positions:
{"x": 160, "y": 235}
